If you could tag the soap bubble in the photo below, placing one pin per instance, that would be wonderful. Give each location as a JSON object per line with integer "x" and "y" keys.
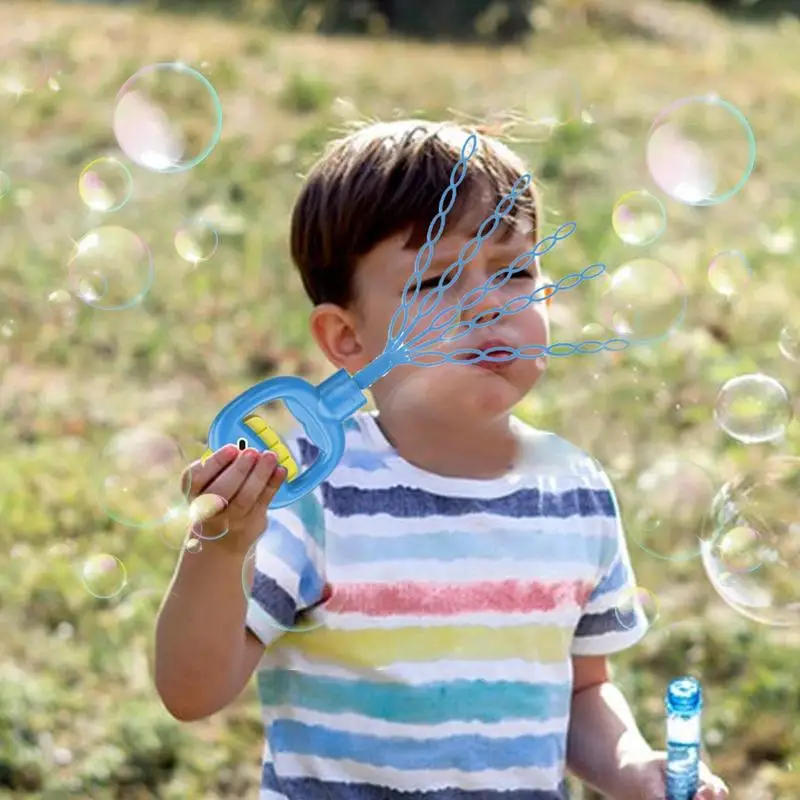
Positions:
{"x": 23, "y": 68}
{"x": 634, "y": 605}
{"x": 753, "y": 408}
{"x": 764, "y": 501}
{"x": 104, "y": 576}
{"x": 61, "y": 308}
{"x": 196, "y": 241}
{"x": 701, "y": 150}
{"x": 638, "y": 218}
{"x": 141, "y": 473}
{"x": 789, "y": 342}
{"x": 673, "y": 496}
{"x": 645, "y": 300}
{"x": 111, "y": 268}
{"x": 167, "y": 118}
{"x": 8, "y": 329}
{"x": 740, "y": 549}
{"x": 105, "y": 184}
{"x": 201, "y": 509}
{"x": 553, "y": 98}
{"x": 729, "y": 273}
{"x": 280, "y": 542}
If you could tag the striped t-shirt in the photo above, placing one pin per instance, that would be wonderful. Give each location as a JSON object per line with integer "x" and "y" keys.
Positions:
{"x": 439, "y": 668}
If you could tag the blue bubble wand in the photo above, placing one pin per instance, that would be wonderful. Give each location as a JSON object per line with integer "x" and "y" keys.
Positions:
{"x": 323, "y": 409}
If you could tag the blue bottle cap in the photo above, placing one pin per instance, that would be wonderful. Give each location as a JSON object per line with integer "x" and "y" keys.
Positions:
{"x": 684, "y": 696}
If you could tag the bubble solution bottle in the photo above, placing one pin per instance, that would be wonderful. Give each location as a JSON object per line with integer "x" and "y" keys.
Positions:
{"x": 684, "y": 703}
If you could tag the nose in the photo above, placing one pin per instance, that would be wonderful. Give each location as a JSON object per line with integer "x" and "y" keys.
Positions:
{"x": 481, "y": 306}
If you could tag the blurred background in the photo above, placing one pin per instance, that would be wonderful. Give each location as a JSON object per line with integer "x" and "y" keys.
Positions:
{"x": 150, "y": 154}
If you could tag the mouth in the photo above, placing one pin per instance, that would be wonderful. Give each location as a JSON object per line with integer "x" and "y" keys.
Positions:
{"x": 501, "y": 355}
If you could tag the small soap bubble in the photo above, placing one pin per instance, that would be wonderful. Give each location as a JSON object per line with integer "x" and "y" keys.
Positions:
{"x": 167, "y": 118}
{"x": 141, "y": 483}
{"x": 8, "y": 329}
{"x": 789, "y": 342}
{"x": 740, "y": 549}
{"x": 61, "y": 308}
{"x": 552, "y": 99}
{"x": 23, "y": 68}
{"x": 105, "y": 185}
{"x": 196, "y": 241}
{"x": 701, "y": 150}
{"x": 764, "y": 502}
{"x": 638, "y": 218}
{"x": 320, "y": 599}
{"x": 104, "y": 576}
{"x": 673, "y": 496}
{"x": 753, "y": 409}
{"x": 193, "y": 545}
{"x": 645, "y": 300}
{"x": 635, "y": 605}
{"x": 729, "y": 273}
{"x": 201, "y": 510}
{"x": 110, "y": 268}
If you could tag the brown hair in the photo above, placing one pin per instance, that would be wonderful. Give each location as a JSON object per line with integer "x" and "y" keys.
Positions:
{"x": 384, "y": 179}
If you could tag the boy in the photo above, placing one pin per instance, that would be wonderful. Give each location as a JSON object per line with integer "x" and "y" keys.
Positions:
{"x": 469, "y": 570}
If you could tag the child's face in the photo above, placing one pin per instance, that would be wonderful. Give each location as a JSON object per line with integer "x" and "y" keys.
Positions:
{"x": 454, "y": 391}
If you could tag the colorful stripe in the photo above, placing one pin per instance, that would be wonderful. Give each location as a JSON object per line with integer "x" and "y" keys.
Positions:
{"x": 315, "y": 789}
{"x": 451, "y": 599}
{"x": 429, "y": 704}
{"x": 404, "y": 502}
{"x": 493, "y": 544}
{"x": 466, "y": 753}
{"x": 378, "y": 648}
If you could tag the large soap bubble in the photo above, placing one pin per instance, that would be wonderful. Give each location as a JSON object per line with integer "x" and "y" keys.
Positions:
{"x": 753, "y": 553}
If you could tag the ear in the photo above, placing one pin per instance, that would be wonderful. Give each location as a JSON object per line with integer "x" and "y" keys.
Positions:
{"x": 335, "y": 331}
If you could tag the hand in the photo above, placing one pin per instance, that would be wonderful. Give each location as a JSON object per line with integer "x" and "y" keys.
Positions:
{"x": 245, "y": 482}
{"x": 644, "y": 777}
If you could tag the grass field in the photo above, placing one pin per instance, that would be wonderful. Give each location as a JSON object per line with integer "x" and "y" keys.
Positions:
{"x": 78, "y": 714}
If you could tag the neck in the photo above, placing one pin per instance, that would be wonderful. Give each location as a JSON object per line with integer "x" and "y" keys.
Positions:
{"x": 450, "y": 447}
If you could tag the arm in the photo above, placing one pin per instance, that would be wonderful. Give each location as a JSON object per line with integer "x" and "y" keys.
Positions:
{"x": 204, "y": 653}
{"x": 209, "y": 636}
{"x": 603, "y": 735}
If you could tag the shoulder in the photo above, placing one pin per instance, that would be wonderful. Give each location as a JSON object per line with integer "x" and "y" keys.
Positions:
{"x": 544, "y": 451}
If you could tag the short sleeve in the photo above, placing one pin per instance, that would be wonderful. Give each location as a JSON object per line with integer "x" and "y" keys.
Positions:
{"x": 289, "y": 565}
{"x": 613, "y": 618}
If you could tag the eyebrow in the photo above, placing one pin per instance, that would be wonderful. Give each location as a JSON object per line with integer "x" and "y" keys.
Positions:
{"x": 503, "y": 233}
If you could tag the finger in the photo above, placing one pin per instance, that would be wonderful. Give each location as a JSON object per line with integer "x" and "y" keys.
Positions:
{"x": 255, "y": 483}
{"x": 714, "y": 789}
{"x": 201, "y": 472}
{"x": 228, "y": 483}
{"x": 271, "y": 489}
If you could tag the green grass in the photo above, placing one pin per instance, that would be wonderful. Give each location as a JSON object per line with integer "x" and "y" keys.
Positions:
{"x": 78, "y": 714}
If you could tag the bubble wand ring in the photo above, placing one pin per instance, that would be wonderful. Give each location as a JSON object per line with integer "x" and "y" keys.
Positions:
{"x": 497, "y": 281}
{"x": 322, "y": 410}
{"x": 453, "y": 272}
{"x": 446, "y": 203}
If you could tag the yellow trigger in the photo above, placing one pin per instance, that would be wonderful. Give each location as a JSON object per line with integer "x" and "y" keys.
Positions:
{"x": 272, "y": 441}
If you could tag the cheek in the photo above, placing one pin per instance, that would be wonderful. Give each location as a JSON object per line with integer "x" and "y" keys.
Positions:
{"x": 536, "y": 326}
